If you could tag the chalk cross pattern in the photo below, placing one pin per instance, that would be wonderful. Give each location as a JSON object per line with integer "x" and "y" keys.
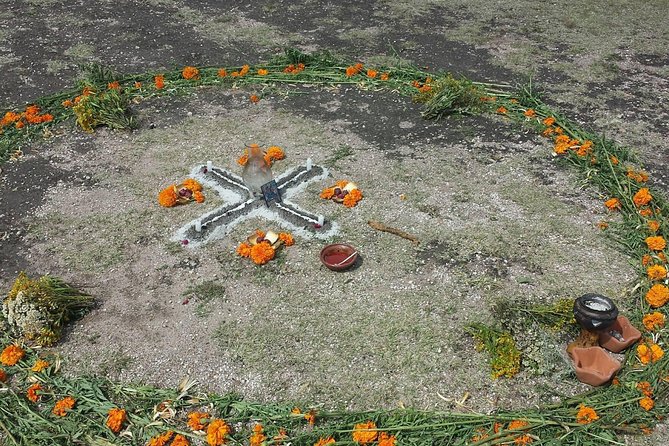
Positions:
{"x": 242, "y": 205}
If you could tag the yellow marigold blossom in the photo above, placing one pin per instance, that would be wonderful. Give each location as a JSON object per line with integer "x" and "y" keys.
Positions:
{"x": 642, "y": 197}
{"x": 548, "y": 132}
{"x": 262, "y": 253}
{"x": 115, "y": 419}
{"x": 32, "y": 394}
{"x": 198, "y": 420}
{"x": 258, "y": 435}
{"x": 217, "y": 432}
{"x": 645, "y": 388}
{"x": 649, "y": 352}
{"x": 586, "y": 415}
{"x": 386, "y": 440}
{"x": 657, "y": 296}
{"x": 530, "y": 113}
{"x": 646, "y": 403}
{"x": 549, "y": 121}
{"x": 180, "y": 440}
{"x": 324, "y": 441}
{"x": 656, "y": 272}
{"x": 654, "y": 321}
{"x": 189, "y": 73}
{"x": 39, "y": 365}
{"x": 352, "y": 198}
{"x": 286, "y": 238}
{"x": 612, "y": 204}
{"x": 63, "y": 406}
{"x": 168, "y": 196}
{"x": 364, "y": 433}
{"x": 11, "y": 355}
{"x": 646, "y": 212}
{"x": 656, "y": 243}
{"x": 3, "y": 376}
{"x": 263, "y": 72}
{"x": 502, "y": 110}
{"x": 162, "y": 439}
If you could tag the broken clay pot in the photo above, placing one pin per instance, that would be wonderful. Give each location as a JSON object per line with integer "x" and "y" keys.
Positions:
{"x": 593, "y": 365}
{"x": 628, "y": 335}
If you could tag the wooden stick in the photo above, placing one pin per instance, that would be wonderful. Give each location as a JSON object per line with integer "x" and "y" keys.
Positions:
{"x": 381, "y": 227}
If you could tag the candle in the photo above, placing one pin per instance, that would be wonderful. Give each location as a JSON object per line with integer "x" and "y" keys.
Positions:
{"x": 209, "y": 165}
{"x": 309, "y": 164}
{"x": 321, "y": 220}
{"x": 198, "y": 226}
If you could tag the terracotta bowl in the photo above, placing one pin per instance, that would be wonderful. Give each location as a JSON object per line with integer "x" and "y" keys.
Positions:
{"x": 593, "y": 365}
{"x": 338, "y": 256}
{"x": 626, "y": 330}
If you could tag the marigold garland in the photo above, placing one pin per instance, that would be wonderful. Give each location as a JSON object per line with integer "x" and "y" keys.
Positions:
{"x": 657, "y": 295}
{"x": 654, "y": 321}
{"x": 62, "y": 407}
{"x": 115, "y": 419}
{"x": 364, "y": 433}
{"x": 586, "y": 415}
{"x": 11, "y": 355}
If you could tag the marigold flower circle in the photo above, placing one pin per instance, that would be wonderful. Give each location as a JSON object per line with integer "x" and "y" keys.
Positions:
{"x": 364, "y": 433}
{"x": 657, "y": 296}
{"x": 115, "y": 419}
{"x": 586, "y": 415}
{"x": 11, "y": 355}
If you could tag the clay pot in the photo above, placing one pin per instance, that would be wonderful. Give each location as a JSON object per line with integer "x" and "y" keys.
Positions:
{"x": 594, "y": 311}
{"x": 628, "y": 333}
{"x": 339, "y": 256}
{"x": 593, "y": 365}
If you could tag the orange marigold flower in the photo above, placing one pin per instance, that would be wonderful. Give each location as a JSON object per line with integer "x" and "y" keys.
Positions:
{"x": 649, "y": 352}
{"x": 586, "y": 415}
{"x": 32, "y": 394}
{"x": 653, "y": 225}
{"x": 3, "y": 376}
{"x": 615, "y": 381}
{"x": 67, "y": 103}
{"x": 584, "y": 148}
{"x": 11, "y": 355}
{"x": 352, "y": 198}
{"x": 364, "y": 433}
{"x": 217, "y": 432}
{"x": 385, "y": 76}
{"x": 371, "y": 73}
{"x": 63, "y": 406}
{"x": 114, "y": 85}
{"x": 646, "y": 260}
{"x": 168, "y": 196}
{"x": 39, "y": 365}
{"x": 656, "y": 243}
{"x": 386, "y": 440}
{"x": 244, "y": 71}
{"x": 198, "y": 420}
{"x": 115, "y": 419}
{"x": 614, "y": 160}
{"x": 159, "y": 82}
{"x": 19, "y": 124}
{"x": 646, "y": 403}
{"x": 258, "y": 435}
{"x": 274, "y": 153}
{"x": 244, "y": 250}
{"x": 351, "y": 71}
{"x": 656, "y": 272}
{"x": 262, "y": 253}
{"x": 263, "y": 72}
{"x": 296, "y": 411}
{"x": 162, "y": 439}
{"x": 639, "y": 177}
{"x": 189, "y": 73}
{"x": 324, "y": 441}
{"x": 242, "y": 160}
{"x": 286, "y": 238}
{"x": 310, "y": 417}
{"x": 497, "y": 427}
{"x": 180, "y": 440}
{"x": 222, "y": 72}
{"x": 192, "y": 184}
{"x": 657, "y": 296}
{"x": 138, "y": 85}
{"x": 654, "y": 321}
{"x": 254, "y": 98}
{"x": 645, "y": 388}
{"x": 530, "y": 113}
{"x": 549, "y": 121}
{"x": 9, "y": 118}
{"x": 646, "y": 212}
{"x": 548, "y": 132}
{"x": 517, "y": 424}
{"x": 662, "y": 257}
{"x": 198, "y": 196}
{"x": 502, "y": 110}
{"x": 612, "y": 204}
{"x": 328, "y": 193}
{"x": 341, "y": 183}
{"x": 642, "y": 197}
{"x": 524, "y": 439}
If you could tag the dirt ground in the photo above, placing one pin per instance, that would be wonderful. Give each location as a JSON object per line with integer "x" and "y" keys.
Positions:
{"x": 498, "y": 219}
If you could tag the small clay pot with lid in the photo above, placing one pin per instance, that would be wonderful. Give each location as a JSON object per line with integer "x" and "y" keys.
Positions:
{"x": 595, "y": 312}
